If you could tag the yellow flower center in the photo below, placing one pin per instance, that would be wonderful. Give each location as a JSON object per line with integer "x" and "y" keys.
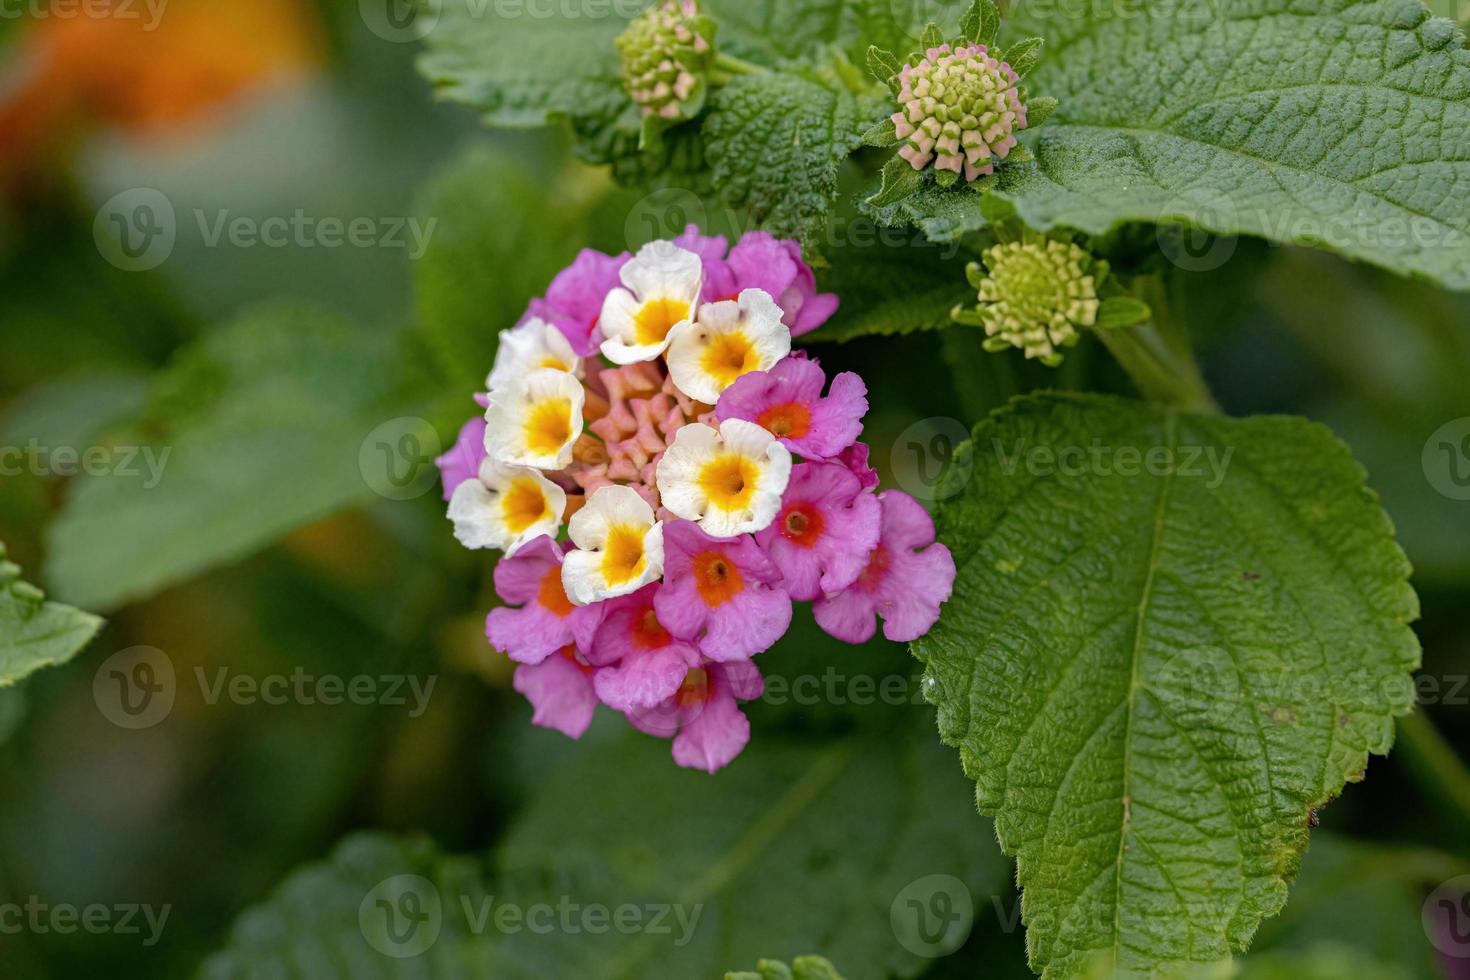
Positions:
{"x": 523, "y": 505}
{"x": 728, "y": 481}
{"x": 728, "y": 356}
{"x": 554, "y": 364}
{"x": 656, "y": 318}
{"x": 549, "y": 426}
{"x": 622, "y": 554}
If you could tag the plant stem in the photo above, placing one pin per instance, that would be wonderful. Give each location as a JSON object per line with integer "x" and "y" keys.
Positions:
{"x": 727, "y": 65}
{"x": 1432, "y": 763}
{"x": 1161, "y": 373}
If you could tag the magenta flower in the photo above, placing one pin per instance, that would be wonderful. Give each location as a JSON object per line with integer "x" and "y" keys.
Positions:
{"x": 722, "y": 592}
{"x": 643, "y": 663}
{"x": 560, "y": 688}
{"x": 907, "y": 578}
{"x": 762, "y": 261}
{"x": 462, "y": 461}
{"x": 787, "y": 402}
{"x": 827, "y": 527}
{"x": 855, "y": 458}
{"x": 546, "y": 620}
{"x": 574, "y": 300}
{"x": 708, "y": 726}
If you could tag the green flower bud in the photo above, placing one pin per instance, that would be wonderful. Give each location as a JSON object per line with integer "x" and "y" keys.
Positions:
{"x": 1035, "y": 295}
{"x": 667, "y": 55}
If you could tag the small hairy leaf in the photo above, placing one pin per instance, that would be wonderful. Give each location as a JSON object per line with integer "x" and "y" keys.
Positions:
{"x": 801, "y": 968}
{"x": 884, "y": 66}
{"x": 35, "y": 633}
{"x": 1171, "y": 637}
{"x": 888, "y": 291}
{"x": 1024, "y": 55}
{"x": 776, "y": 142}
{"x": 943, "y": 215}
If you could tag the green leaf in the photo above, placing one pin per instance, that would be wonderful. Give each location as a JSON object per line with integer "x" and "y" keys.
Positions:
{"x": 1121, "y": 312}
{"x": 900, "y": 181}
{"x": 888, "y": 291}
{"x": 882, "y": 135}
{"x": 529, "y": 71}
{"x": 932, "y": 37}
{"x": 1155, "y": 670}
{"x": 35, "y": 633}
{"x": 1341, "y": 125}
{"x": 801, "y": 968}
{"x": 1024, "y": 55}
{"x": 796, "y": 841}
{"x": 981, "y": 22}
{"x": 884, "y": 66}
{"x": 775, "y": 143}
{"x": 258, "y": 429}
{"x": 1039, "y": 110}
{"x": 943, "y": 215}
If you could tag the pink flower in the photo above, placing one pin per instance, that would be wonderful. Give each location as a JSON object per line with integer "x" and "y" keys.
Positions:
{"x": 546, "y": 620}
{"x": 761, "y": 261}
{"x": 787, "y": 402}
{"x": 560, "y": 688}
{"x": 463, "y": 460}
{"x": 855, "y": 458}
{"x": 643, "y": 663}
{"x": 711, "y": 729}
{"x": 907, "y": 579}
{"x": 827, "y": 526}
{"x": 723, "y": 592}
{"x": 574, "y": 300}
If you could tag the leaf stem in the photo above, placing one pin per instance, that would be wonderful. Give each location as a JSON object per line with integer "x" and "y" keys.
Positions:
{"x": 727, "y": 66}
{"x": 1432, "y": 763}
{"x": 1159, "y": 370}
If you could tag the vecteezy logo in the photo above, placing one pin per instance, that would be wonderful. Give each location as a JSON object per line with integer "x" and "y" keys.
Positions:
{"x": 402, "y": 916}
{"x": 1446, "y": 917}
{"x": 1446, "y": 459}
{"x": 136, "y": 230}
{"x": 397, "y": 458}
{"x": 663, "y": 214}
{"x": 1184, "y": 234}
{"x": 923, "y": 459}
{"x": 932, "y": 917}
{"x": 135, "y": 688}
{"x": 400, "y": 21}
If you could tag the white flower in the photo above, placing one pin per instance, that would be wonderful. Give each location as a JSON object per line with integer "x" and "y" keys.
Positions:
{"x": 730, "y": 482}
{"x": 531, "y": 346}
{"x": 534, "y": 420}
{"x": 729, "y": 339}
{"x": 506, "y": 507}
{"x": 663, "y": 283}
{"x": 620, "y": 547}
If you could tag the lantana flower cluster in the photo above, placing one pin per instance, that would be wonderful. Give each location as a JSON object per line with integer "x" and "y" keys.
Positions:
{"x": 960, "y": 109}
{"x": 665, "y": 476}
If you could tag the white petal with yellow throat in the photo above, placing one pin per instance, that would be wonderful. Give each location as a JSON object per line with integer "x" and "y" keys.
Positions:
{"x": 662, "y": 284}
{"x": 620, "y": 547}
{"x": 506, "y": 507}
{"x": 730, "y": 482}
{"x": 532, "y": 346}
{"x": 534, "y": 420}
{"x": 729, "y": 339}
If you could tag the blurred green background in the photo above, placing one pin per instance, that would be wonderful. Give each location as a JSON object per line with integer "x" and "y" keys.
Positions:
{"x": 270, "y": 545}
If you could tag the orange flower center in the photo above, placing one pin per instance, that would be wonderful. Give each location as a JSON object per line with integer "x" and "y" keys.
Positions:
{"x": 695, "y": 690}
{"x": 878, "y": 561}
{"x": 552, "y": 596}
{"x": 802, "y": 524}
{"x": 716, "y": 578}
{"x": 790, "y": 421}
{"x": 570, "y": 652}
{"x": 648, "y": 632}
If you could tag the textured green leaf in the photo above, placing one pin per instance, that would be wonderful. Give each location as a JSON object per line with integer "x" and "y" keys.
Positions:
{"x": 1341, "y": 124}
{"x": 35, "y": 633}
{"x": 1154, "y": 677}
{"x": 834, "y": 829}
{"x": 942, "y": 215}
{"x": 775, "y": 143}
{"x": 254, "y": 431}
{"x": 887, "y": 291}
